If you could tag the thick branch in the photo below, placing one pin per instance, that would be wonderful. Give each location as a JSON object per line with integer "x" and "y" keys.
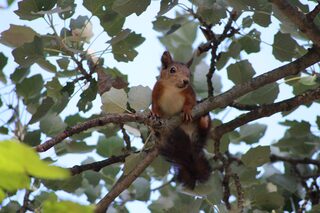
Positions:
{"x": 97, "y": 166}
{"x": 109, "y": 118}
{"x": 267, "y": 110}
{"x": 297, "y": 17}
{"x": 124, "y": 183}
{"x": 295, "y": 161}
{"x": 312, "y": 14}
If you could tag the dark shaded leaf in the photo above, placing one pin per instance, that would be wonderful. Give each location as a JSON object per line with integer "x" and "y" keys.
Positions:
{"x": 110, "y": 20}
{"x": 29, "y": 53}
{"x": 19, "y": 74}
{"x": 240, "y": 72}
{"x": 68, "y": 7}
{"x": 264, "y": 95}
{"x": 17, "y": 35}
{"x": 285, "y": 48}
{"x": 108, "y": 147}
{"x": 30, "y": 87}
{"x": 127, "y": 7}
{"x": 125, "y": 50}
{"x": 87, "y": 96}
{"x": 251, "y": 42}
{"x": 256, "y": 156}
{"x": 42, "y": 110}
{"x": 32, "y": 138}
{"x": 27, "y": 9}
{"x": 3, "y": 62}
{"x": 73, "y": 147}
{"x": 166, "y": 5}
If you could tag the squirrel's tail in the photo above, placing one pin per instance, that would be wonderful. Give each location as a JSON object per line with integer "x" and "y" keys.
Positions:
{"x": 187, "y": 156}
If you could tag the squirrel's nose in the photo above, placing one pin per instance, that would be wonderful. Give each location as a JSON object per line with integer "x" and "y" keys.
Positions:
{"x": 185, "y": 82}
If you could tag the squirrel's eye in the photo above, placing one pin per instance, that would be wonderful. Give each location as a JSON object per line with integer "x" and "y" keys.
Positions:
{"x": 172, "y": 70}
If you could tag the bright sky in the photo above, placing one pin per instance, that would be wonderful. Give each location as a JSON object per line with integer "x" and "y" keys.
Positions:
{"x": 144, "y": 68}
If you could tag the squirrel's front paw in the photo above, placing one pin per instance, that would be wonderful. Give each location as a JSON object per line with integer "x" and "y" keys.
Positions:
{"x": 187, "y": 116}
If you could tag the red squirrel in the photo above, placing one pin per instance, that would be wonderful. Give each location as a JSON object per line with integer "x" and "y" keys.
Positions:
{"x": 171, "y": 95}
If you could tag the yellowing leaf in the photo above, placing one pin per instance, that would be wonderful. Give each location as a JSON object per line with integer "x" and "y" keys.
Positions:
{"x": 18, "y": 162}
{"x": 65, "y": 207}
{"x": 2, "y": 195}
{"x": 140, "y": 97}
{"x": 114, "y": 101}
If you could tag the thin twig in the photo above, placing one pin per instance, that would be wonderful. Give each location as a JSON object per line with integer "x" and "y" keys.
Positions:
{"x": 97, "y": 166}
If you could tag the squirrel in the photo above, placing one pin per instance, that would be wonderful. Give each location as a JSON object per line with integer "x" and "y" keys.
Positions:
{"x": 171, "y": 95}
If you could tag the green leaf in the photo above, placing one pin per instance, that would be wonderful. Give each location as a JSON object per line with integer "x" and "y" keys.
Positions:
{"x": 4, "y": 130}
{"x": 240, "y": 72}
{"x": 15, "y": 166}
{"x": 29, "y": 53}
{"x": 114, "y": 101}
{"x": 110, "y": 20}
{"x": 54, "y": 88}
{"x": 308, "y": 80}
{"x": 212, "y": 12}
{"x": 251, "y": 42}
{"x": 119, "y": 37}
{"x": 264, "y": 95}
{"x": 251, "y": 133}
{"x": 70, "y": 184}
{"x": 19, "y": 74}
{"x": 127, "y": 7}
{"x": 167, "y": 25}
{"x": 68, "y": 6}
{"x": 17, "y": 35}
{"x": 203, "y": 189}
{"x": 132, "y": 161}
{"x": 72, "y": 147}
{"x": 32, "y": 138}
{"x": 87, "y": 96}
{"x": 30, "y": 87}
{"x": 247, "y": 22}
{"x": 166, "y": 5}
{"x": 3, "y": 62}
{"x": 52, "y": 124}
{"x": 65, "y": 207}
{"x": 124, "y": 50}
{"x": 160, "y": 166}
{"x": 42, "y": 110}
{"x": 287, "y": 182}
{"x": 142, "y": 189}
{"x": 63, "y": 63}
{"x": 256, "y": 156}
{"x": 108, "y": 147}
{"x": 268, "y": 201}
{"x": 28, "y": 9}
{"x": 46, "y": 65}
{"x": 179, "y": 42}
{"x": 285, "y": 48}
{"x": 139, "y": 97}
{"x": 262, "y": 18}
{"x": 2, "y": 195}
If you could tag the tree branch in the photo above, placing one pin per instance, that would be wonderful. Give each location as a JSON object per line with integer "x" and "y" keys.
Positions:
{"x": 298, "y": 18}
{"x": 109, "y": 118}
{"x": 267, "y": 110}
{"x": 97, "y": 166}
{"x": 295, "y": 161}
{"x": 312, "y": 14}
{"x": 125, "y": 182}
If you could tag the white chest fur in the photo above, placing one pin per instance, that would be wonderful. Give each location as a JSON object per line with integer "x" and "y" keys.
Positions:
{"x": 171, "y": 101}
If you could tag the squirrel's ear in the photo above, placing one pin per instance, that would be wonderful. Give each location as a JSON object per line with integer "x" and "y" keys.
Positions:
{"x": 166, "y": 59}
{"x": 189, "y": 63}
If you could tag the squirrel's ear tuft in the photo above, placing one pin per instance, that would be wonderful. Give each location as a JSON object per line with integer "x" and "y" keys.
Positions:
{"x": 189, "y": 63}
{"x": 166, "y": 59}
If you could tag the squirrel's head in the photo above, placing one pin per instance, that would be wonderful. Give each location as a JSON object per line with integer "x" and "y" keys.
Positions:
{"x": 175, "y": 73}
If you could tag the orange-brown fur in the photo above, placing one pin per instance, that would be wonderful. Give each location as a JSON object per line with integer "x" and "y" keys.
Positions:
{"x": 171, "y": 95}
